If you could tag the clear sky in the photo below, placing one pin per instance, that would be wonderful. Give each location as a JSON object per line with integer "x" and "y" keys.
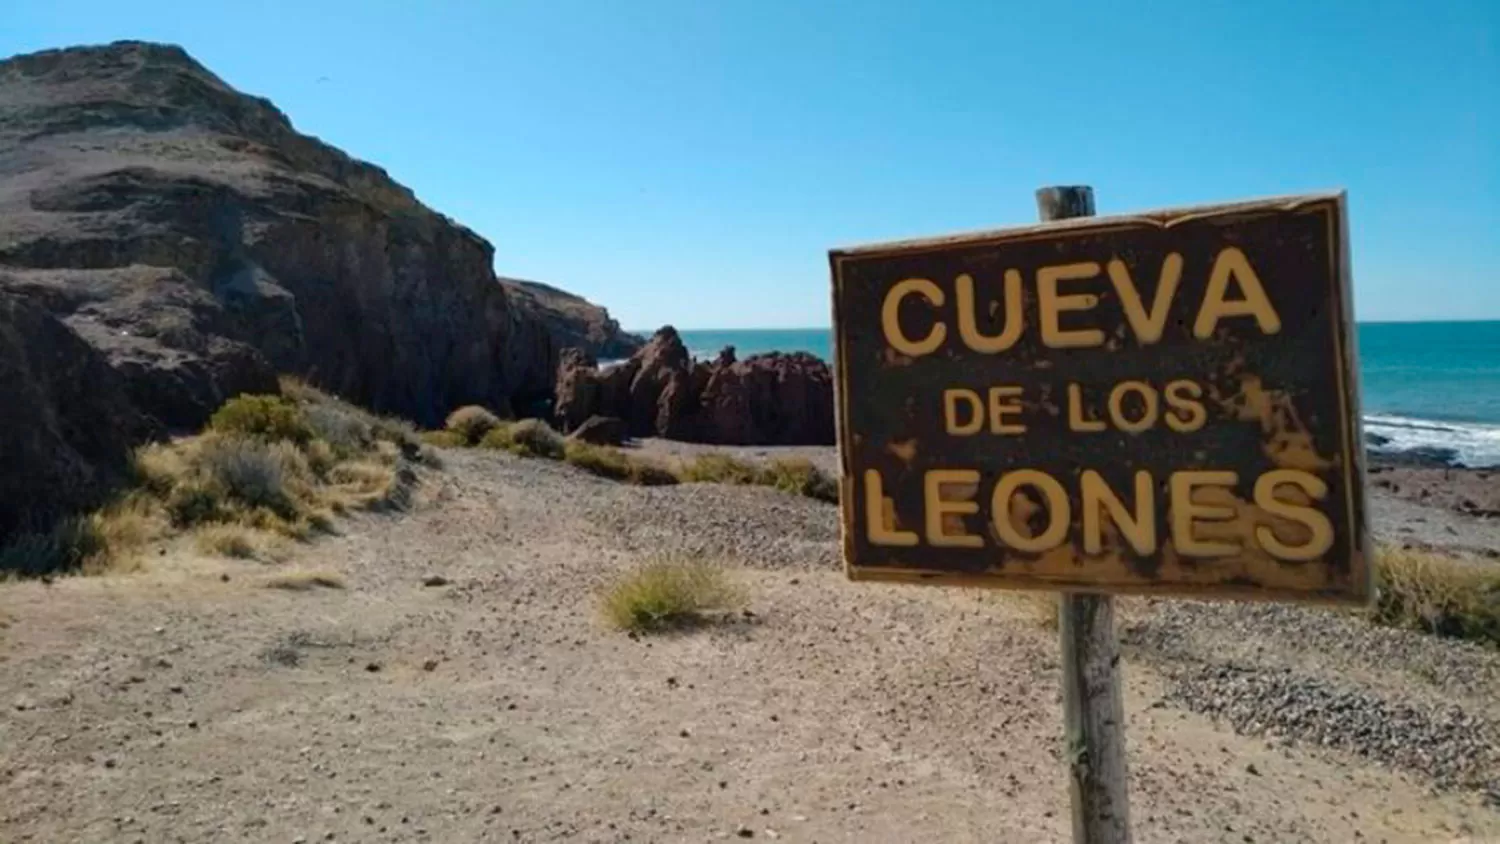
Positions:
{"x": 692, "y": 161}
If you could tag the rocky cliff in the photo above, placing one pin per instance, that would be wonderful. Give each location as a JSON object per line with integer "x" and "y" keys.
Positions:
{"x": 574, "y": 321}
{"x": 201, "y": 244}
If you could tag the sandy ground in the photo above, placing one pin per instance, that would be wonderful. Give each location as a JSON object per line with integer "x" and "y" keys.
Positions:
{"x": 191, "y": 703}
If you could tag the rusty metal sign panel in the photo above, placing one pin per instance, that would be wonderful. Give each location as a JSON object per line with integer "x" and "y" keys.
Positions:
{"x": 1163, "y": 403}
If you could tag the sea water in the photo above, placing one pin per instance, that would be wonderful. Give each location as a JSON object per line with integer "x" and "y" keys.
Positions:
{"x": 1433, "y": 384}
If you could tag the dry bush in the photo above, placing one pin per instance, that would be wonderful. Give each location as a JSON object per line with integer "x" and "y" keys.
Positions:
{"x": 444, "y": 439}
{"x": 1437, "y": 593}
{"x": 669, "y": 593}
{"x": 722, "y": 469}
{"x": 235, "y": 541}
{"x": 799, "y": 476}
{"x": 346, "y": 430}
{"x": 527, "y": 438}
{"x": 159, "y": 467}
{"x": 471, "y": 423}
{"x": 106, "y": 540}
{"x": 264, "y": 417}
{"x": 306, "y": 580}
{"x": 615, "y": 464}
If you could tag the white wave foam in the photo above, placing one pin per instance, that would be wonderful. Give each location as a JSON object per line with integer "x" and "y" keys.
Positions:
{"x": 1475, "y": 443}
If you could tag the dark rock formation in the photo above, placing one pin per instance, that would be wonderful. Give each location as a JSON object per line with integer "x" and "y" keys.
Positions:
{"x": 67, "y": 425}
{"x": 189, "y": 232}
{"x": 601, "y": 430}
{"x": 774, "y": 399}
{"x": 574, "y": 322}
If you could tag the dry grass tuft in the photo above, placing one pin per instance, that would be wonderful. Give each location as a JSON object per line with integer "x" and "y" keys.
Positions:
{"x": 798, "y": 476}
{"x": 615, "y": 464}
{"x": 1438, "y": 594}
{"x": 669, "y": 593}
{"x": 306, "y": 580}
{"x": 471, "y": 423}
{"x": 722, "y": 469}
{"x": 527, "y": 438}
{"x": 444, "y": 439}
{"x": 240, "y": 542}
{"x": 107, "y": 540}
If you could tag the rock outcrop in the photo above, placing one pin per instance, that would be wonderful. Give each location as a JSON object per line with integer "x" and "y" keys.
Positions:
{"x": 772, "y": 399}
{"x": 67, "y": 423}
{"x": 200, "y": 242}
{"x": 573, "y": 321}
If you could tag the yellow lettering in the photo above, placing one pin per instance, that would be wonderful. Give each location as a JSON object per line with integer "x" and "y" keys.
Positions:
{"x": 880, "y": 515}
{"x": 1232, "y": 265}
{"x": 1051, "y": 304}
{"x": 1117, "y": 406}
{"x": 1189, "y": 413}
{"x": 890, "y": 317}
{"x": 951, "y": 398}
{"x": 1147, "y": 326}
{"x": 1002, "y": 402}
{"x": 1138, "y": 528}
{"x": 944, "y": 532}
{"x": 968, "y": 323}
{"x": 1185, "y": 511}
{"x": 1076, "y": 422}
{"x": 1057, "y": 511}
{"x": 1320, "y": 530}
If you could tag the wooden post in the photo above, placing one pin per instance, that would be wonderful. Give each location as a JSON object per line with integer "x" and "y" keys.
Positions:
{"x": 1093, "y": 715}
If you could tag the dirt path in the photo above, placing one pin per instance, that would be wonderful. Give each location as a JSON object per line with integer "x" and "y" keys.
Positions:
{"x": 178, "y": 706}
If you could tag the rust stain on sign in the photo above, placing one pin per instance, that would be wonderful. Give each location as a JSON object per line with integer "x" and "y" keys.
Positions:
{"x": 1162, "y": 403}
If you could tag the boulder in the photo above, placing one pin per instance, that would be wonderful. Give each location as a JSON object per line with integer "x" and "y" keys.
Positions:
{"x": 663, "y": 360}
{"x": 770, "y": 399}
{"x": 578, "y": 390}
{"x": 67, "y": 426}
{"x": 601, "y": 430}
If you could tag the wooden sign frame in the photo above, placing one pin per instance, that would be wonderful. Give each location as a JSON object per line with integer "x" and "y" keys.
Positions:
{"x": 880, "y": 390}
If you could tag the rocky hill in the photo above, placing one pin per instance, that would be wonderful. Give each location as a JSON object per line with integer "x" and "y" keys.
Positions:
{"x": 199, "y": 241}
{"x": 199, "y": 244}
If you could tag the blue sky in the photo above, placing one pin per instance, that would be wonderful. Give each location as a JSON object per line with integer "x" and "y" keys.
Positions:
{"x": 692, "y": 161}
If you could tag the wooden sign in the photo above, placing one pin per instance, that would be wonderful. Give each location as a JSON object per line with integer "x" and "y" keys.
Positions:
{"x": 1161, "y": 403}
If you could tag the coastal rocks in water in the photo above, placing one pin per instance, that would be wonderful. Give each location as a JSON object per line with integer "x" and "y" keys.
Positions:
{"x": 600, "y": 430}
{"x": 1418, "y": 457}
{"x": 68, "y": 426}
{"x": 772, "y": 399}
{"x": 1374, "y": 440}
{"x": 190, "y": 233}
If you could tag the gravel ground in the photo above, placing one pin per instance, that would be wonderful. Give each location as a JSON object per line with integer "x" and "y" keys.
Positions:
{"x": 462, "y": 688}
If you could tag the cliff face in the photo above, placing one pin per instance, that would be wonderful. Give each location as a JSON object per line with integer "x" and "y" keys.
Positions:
{"x": 194, "y": 238}
{"x": 574, "y": 321}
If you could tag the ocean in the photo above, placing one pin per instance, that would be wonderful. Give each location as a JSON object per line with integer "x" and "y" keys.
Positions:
{"x": 1434, "y": 384}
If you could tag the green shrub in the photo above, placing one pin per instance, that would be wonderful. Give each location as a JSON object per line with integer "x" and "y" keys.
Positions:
{"x": 264, "y": 417}
{"x": 1438, "y": 594}
{"x": 667, "y": 593}
{"x": 722, "y": 469}
{"x": 800, "y": 477}
{"x": 471, "y": 422}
